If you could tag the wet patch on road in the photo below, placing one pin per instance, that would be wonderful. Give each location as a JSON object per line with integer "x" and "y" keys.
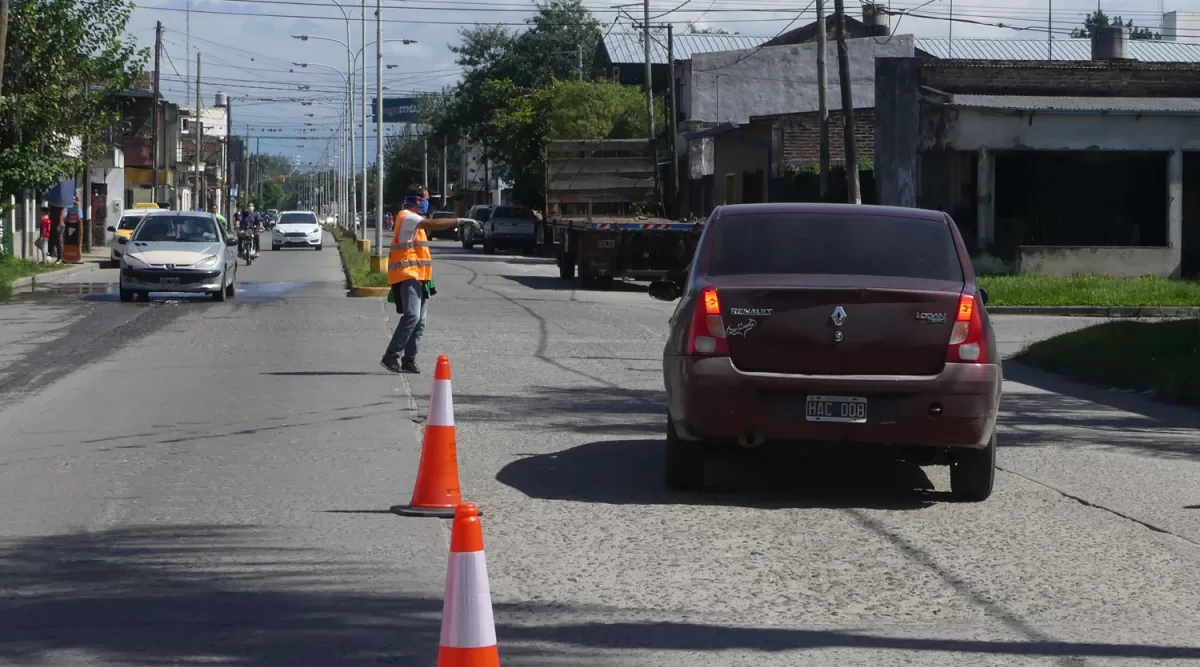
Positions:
{"x": 102, "y": 292}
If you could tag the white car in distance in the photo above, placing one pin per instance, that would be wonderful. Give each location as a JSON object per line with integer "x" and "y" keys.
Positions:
{"x": 296, "y": 229}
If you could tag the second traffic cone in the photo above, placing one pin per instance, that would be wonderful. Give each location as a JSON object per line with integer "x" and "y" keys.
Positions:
{"x": 436, "y": 492}
{"x": 468, "y": 628}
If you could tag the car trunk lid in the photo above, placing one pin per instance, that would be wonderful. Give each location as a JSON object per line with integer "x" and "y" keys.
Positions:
{"x": 835, "y": 325}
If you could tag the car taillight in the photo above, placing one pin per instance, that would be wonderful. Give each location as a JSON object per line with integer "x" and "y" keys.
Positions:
{"x": 967, "y": 342}
{"x": 707, "y": 335}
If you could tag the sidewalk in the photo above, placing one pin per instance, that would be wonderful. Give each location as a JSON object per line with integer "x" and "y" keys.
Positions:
{"x": 93, "y": 261}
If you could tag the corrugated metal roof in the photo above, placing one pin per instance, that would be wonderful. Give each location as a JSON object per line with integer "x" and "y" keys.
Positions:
{"x": 627, "y": 47}
{"x": 1145, "y": 50}
{"x": 1115, "y": 105}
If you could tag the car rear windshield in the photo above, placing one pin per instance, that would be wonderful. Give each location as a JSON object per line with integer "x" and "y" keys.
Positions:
{"x": 834, "y": 244}
{"x": 178, "y": 229}
{"x": 443, "y": 214}
{"x": 483, "y": 214}
{"x": 513, "y": 212}
{"x": 298, "y": 219}
{"x": 130, "y": 221}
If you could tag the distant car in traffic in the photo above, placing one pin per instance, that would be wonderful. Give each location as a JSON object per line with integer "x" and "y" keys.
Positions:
{"x": 451, "y": 233}
{"x": 822, "y": 323}
{"x": 297, "y": 229}
{"x": 470, "y": 229}
{"x": 123, "y": 230}
{"x": 510, "y": 227}
{"x": 179, "y": 251}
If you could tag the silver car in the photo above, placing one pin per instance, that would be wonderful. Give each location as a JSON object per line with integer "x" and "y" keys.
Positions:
{"x": 179, "y": 251}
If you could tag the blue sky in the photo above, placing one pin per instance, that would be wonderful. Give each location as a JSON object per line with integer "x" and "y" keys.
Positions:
{"x": 248, "y": 52}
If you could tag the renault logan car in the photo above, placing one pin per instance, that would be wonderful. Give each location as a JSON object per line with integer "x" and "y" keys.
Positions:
{"x": 297, "y": 229}
{"x": 855, "y": 327}
{"x": 176, "y": 251}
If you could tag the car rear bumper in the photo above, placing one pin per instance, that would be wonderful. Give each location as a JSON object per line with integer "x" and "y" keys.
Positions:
{"x": 711, "y": 399}
{"x": 153, "y": 281}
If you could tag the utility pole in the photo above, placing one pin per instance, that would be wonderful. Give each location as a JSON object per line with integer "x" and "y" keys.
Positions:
{"x": 379, "y": 212}
{"x": 258, "y": 177}
{"x": 229, "y": 158}
{"x": 649, "y": 78}
{"x": 425, "y": 149}
{"x": 198, "y": 135}
{"x": 445, "y": 171}
{"x": 672, "y": 122}
{"x": 853, "y": 195}
{"x": 579, "y": 60}
{"x": 823, "y": 98}
{"x": 246, "y": 163}
{"x": 154, "y": 132}
{"x": 3, "y": 36}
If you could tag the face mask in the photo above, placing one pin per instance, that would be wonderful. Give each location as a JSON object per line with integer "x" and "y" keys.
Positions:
{"x": 425, "y": 206}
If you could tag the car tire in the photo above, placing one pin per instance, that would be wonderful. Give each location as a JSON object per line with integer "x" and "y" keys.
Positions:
{"x": 973, "y": 473}
{"x": 141, "y": 296}
{"x": 684, "y": 462}
{"x": 489, "y": 248}
{"x": 127, "y": 295}
{"x": 318, "y": 247}
{"x": 274, "y": 247}
{"x": 220, "y": 294}
{"x": 231, "y": 288}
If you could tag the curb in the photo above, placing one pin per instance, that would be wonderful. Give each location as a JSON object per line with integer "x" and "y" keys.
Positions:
{"x": 375, "y": 292}
{"x": 61, "y": 273}
{"x": 1098, "y": 311}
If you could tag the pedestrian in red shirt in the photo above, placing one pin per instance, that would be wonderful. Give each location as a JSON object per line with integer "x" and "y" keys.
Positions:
{"x": 43, "y": 233}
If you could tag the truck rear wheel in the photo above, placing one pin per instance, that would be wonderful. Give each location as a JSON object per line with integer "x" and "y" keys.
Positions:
{"x": 566, "y": 265}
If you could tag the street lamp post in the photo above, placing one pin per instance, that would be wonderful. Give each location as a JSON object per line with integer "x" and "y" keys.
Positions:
{"x": 352, "y": 58}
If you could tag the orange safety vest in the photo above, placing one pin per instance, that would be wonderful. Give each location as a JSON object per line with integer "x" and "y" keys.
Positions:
{"x": 409, "y": 261}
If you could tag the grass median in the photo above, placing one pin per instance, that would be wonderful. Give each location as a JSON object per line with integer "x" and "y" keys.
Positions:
{"x": 1037, "y": 290}
{"x": 12, "y": 269}
{"x": 357, "y": 262}
{"x": 1162, "y": 357}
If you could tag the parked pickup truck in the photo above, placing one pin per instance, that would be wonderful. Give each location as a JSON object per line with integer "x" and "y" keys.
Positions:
{"x": 510, "y": 227}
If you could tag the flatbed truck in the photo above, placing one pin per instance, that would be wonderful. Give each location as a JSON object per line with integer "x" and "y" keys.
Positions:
{"x": 597, "y": 193}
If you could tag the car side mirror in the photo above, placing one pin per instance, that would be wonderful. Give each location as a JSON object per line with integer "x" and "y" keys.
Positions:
{"x": 983, "y": 296}
{"x": 112, "y": 229}
{"x": 663, "y": 290}
{"x": 123, "y": 240}
{"x": 231, "y": 241}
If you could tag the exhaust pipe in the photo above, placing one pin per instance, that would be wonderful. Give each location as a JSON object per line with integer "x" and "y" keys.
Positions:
{"x": 751, "y": 438}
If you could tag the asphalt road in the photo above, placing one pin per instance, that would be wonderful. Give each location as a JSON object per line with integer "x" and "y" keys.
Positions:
{"x": 207, "y": 483}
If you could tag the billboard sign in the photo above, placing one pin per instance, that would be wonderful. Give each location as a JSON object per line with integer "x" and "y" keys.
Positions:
{"x": 399, "y": 110}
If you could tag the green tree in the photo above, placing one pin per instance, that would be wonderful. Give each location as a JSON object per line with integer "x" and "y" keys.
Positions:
{"x": 65, "y": 63}
{"x": 1099, "y": 19}
{"x": 566, "y": 109}
{"x": 709, "y": 30}
{"x": 272, "y": 196}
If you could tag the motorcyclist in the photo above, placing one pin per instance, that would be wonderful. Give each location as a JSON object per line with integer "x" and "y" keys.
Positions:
{"x": 252, "y": 223}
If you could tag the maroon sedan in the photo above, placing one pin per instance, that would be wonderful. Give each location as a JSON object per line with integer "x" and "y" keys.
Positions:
{"x": 832, "y": 324}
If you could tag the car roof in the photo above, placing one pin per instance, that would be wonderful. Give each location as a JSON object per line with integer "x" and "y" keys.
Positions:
{"x": 179, "y": 214}
{"x": 815, "y": 207}
{"x": 282, "y": 212}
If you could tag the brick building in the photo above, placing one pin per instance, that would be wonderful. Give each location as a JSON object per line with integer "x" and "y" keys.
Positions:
{"x": 1049, "y": 167}
{"x": 798, "y": 136}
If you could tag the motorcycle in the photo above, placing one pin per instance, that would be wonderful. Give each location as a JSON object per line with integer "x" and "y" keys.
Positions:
{"x": 246, "y": 239}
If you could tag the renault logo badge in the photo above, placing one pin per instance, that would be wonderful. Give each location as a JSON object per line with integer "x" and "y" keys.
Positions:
{"x": 838, "y": 316}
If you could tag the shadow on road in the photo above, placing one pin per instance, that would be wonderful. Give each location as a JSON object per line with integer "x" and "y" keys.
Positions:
{"x": 1097, "y": 417}
{"x": 556, "y": 283}
{"x": 592, "y": 410}
{"x": 218, "y": 594}
{"x": 631, "y": 472}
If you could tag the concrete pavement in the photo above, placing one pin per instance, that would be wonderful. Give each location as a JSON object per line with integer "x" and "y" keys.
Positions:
{"x": 209, "y": 484}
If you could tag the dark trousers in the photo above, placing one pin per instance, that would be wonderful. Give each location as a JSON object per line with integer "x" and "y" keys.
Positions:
{"x": 54, "y": 247}
{"x": 413, "y": 306}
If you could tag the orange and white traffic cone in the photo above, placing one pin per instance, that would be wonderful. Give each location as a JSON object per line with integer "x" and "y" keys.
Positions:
{"x": 468, "y": 628}
{"x": 436, "y": 492}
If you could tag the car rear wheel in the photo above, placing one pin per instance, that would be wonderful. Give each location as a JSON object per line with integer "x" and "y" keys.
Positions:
{"x": 684, "y": 461}
{"x": 973, "y": 473}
